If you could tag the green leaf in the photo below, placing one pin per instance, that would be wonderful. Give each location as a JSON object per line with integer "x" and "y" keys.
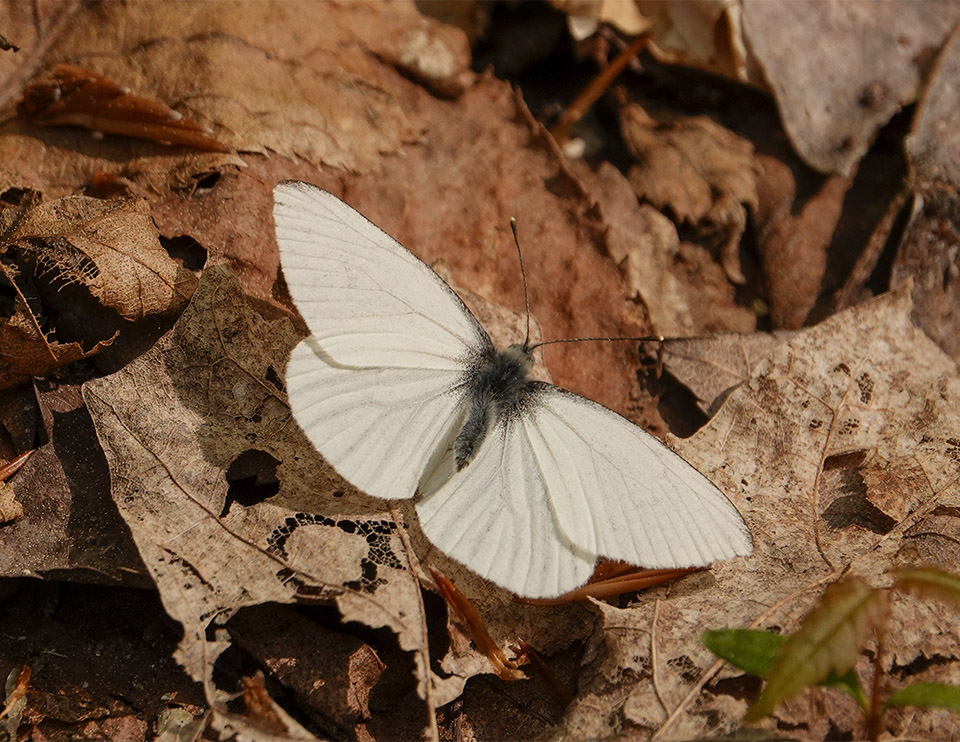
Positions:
{"x": 929, "y": 581}
{"x": 754, "y": 651}
{"x": 929, "y": 695}
{"x": 849, "y": 683}
{"x": 751, "y": 650}
{"x": 829, "y": 638}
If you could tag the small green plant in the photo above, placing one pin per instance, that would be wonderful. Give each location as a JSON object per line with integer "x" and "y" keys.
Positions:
{"x": 826, "y": 646}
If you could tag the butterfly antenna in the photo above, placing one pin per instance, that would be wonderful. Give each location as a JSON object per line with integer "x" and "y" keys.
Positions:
{"x": 646, "y": 339}
{"x": 523, "y": 275}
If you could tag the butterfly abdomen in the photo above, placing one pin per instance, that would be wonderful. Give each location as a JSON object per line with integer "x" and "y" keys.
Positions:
{"x": 497, "y": 387}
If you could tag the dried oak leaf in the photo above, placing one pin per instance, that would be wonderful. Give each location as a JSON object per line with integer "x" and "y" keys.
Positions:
{"x": 837, "y": 450}
{"x": 77, "y": 268}
{"x": 73, "y": 96}
{"x": 698, "y": 171}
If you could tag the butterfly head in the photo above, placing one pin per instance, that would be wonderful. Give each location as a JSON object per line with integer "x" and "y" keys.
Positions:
{"x": 519, "y": 355}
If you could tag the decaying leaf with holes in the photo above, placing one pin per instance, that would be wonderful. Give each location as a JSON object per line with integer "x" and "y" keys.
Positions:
{"x": 210, "y": 394}
{"x": 842, "y": 441}
{"x": 73, "y": 272}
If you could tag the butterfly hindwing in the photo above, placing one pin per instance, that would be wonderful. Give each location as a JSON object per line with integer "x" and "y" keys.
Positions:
{"x": 620, "y": 493}
{"x": 379, "y": 428}
{"x": 494, "y": 515}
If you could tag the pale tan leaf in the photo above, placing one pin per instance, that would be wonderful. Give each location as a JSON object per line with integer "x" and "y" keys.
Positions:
{"x": 844, "y": 70}
{"x": 832, "y": 448}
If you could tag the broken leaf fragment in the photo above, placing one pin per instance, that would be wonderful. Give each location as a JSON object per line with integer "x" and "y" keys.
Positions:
{"x": 698, "y": 171}
{"x": 76, "y": 270}
{"x": 67, "y": 95}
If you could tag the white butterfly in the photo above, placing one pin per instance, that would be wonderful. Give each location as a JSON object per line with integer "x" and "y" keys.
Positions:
{"x": 401, "y": 390}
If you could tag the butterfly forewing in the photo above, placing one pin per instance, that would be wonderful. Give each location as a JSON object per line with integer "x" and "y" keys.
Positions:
{"x": 366, "y": 299}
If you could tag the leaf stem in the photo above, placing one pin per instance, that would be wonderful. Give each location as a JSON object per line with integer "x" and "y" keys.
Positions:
{"x": 875, "y": 714}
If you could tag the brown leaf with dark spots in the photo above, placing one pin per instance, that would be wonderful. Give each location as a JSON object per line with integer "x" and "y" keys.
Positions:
{"x": 711, "y": 367}
{"x": 67, "y": 95}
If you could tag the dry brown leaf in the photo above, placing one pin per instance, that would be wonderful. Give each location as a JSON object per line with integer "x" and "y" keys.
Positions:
{"x": 249, "y": 74}
{"x": 209, "y": 393}
{"x": 844, "y": 69}
{"x": 69, "y": 521}
{"x": 793, "y": 240}
{"x": 25, "y": 348}
{"x": 929, "y": 252}
{"x": 10, "y": 509}
{"x": 712, "y": 367}
{"x": 698, "y": 171}
{"x": 701, "y": 33}
{"x": 241, "y": 72}
{"x": 434, "y": 54}
{"x": 681, "y": 290}
{"x": 836, "y": 452}
{"x": 331, "y": 672}
{"x": 110, "y": 248}
{"x": 67, "y": 95}
{"x": 78, "y": 268}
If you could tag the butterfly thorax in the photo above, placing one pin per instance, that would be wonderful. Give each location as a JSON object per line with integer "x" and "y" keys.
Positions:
{"x": 497, "y": 388}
